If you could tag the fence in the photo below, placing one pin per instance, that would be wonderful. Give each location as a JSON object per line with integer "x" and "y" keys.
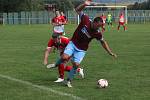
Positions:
{"x": 44, "y": 17}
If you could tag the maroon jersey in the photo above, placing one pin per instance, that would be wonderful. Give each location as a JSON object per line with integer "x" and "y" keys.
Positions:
{"x": 84, "y": 34}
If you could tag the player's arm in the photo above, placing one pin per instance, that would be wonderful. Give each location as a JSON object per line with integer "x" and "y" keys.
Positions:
{"x": 46, "y": 54}
{"x": 107, "y": 48}
{"x": 54, "y": 23}
{"x": 48, "y": 50}
{"x": 64, "y": 21}
{"x": 82, "y": 6}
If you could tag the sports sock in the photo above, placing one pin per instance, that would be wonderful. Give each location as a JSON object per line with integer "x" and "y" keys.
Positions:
{"x": 61, "y": 71}
{"x": 59, "y": 61}
{"x": 71, "y": 73}
{"x": 68, "y": 68}
{"x": 108, "y": 27}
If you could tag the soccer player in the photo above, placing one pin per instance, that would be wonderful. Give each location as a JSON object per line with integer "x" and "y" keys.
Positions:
{"x": 59, "y": 42}
{"x": 109, "y": 20}
{"x": 78, "y": 45}
{"x": 122, "y": 21}
{"x": 65, "y": 20}
{"x": 104, "y": 21}
{"x": 58, "y": 21}
{"x": 63, "y": 15}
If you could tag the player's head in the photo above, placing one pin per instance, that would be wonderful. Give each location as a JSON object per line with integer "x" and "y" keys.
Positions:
{"x": 62, "y": 13}
{"x": 57, "y": 13}
{"x": 102, "y": 14}
{"x": 56, "y": 37}
{"x": 121, "y": 13}
{"x": 97, "y": 23}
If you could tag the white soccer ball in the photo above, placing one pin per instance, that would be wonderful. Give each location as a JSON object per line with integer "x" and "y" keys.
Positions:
{"x": 102, "y": 83}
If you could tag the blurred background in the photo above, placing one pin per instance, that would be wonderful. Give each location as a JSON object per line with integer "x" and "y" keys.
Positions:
{"x": 42, "y": 11}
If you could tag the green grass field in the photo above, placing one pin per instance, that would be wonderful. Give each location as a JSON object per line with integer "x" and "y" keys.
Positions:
{"x": 24, "y": 77}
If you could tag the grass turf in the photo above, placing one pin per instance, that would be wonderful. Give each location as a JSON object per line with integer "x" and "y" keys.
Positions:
{"x": 21, "y": 57}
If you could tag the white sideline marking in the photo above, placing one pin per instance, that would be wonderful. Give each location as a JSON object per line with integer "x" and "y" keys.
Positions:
{"x": 41, "y": 87}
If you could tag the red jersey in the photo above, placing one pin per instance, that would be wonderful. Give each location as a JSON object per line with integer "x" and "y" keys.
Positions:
{"x": 64, "y": 18}
{"x": 58, "y": 28}
{"x": 63, "y": 41}
{"x": 121, "y": 18}
{"x": 58, "y": 19}
{"x": 103, "y": 18}
{"x": 84, "y": 34}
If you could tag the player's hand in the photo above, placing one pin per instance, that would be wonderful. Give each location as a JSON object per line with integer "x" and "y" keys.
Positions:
{"x": 87, "y": 2}
{"x": 45, "y": 62}
{"x": 60, "y": 23}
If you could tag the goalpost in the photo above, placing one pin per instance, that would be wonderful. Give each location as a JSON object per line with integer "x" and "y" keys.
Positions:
{"x": 93, "y": 10}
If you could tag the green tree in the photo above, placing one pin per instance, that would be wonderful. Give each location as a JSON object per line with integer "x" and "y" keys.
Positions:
{"x": 20, "y": 5}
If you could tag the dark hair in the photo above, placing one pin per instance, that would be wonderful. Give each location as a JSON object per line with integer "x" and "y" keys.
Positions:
{"x": 55, "y": 35}
{"x": 98, "y": 19}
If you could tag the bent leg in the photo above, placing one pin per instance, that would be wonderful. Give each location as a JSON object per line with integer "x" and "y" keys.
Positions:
{"x": 76, "y": 60}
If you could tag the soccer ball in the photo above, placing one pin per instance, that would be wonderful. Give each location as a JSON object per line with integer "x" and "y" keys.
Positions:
{"x": 102, "y": 83}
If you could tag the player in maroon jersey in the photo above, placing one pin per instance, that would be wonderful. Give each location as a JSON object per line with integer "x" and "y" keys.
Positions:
{"x": 59, "y": 42}
{"x": 85, "y": 32}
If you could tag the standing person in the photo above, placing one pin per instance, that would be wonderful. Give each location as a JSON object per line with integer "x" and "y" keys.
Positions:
{"x": 122, "y": 22}
{"x": 109, "y": 20}
{"x": 65, "y": 20}
{"x": 77, "y": 47}
{"x": 58, "y": 21}
{"x": 104, "y": 21}
{"x": 59, "y": 42}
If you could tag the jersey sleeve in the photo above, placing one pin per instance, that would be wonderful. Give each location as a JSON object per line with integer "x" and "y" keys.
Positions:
{"x": 63, "y": 19}
{"x": 65, "y": 40}
{"x": 50, "y": 43}
{"x": 84, "y": 18}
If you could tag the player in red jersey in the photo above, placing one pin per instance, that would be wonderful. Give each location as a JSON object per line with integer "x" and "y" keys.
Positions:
{"x": 104, "y": 22}
{"x": 65, "y": 20}
{"x": 59, "y": 42}
{"x": 122, "y": 22}
{"x": 77, "y": 47}
{"x": 64, "y": 17}
{"x": 58, "y": 21}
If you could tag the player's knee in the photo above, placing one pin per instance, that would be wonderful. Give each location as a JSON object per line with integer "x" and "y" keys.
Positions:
{"x": 65, "y": 57}
{"x": 76, "y": 64}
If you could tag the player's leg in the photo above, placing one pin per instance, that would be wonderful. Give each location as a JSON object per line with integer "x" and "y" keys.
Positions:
{"x": 78, "y": 56}
{"x": 68, "y": 68}
{"x": 79, "y": 70}
{"x": 125, "y": 28}
{"x": 111, "y": 24}
{"x": 108, "y": 25}
{"x": 103, "y": 27}
{"x": 64, "y": 58}
{"x": 61, "y": 73}
{"x": 119, "y": 26}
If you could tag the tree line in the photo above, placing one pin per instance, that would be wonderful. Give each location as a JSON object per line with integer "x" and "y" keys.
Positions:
{"x": 140, "y": 6}
{"x": 36, "y": 5}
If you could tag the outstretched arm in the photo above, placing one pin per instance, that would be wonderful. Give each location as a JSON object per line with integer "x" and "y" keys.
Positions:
{"x": 82, "y": 6}
{"x": 107, "y": 48}
{"x": 46, "y": 54}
